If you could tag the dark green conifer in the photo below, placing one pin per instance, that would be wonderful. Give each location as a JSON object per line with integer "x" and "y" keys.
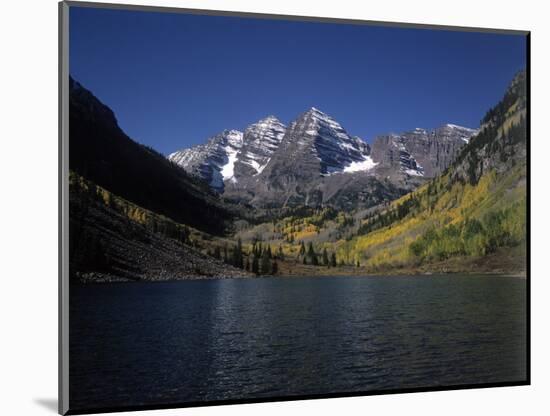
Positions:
{"x": 325, "y": 257}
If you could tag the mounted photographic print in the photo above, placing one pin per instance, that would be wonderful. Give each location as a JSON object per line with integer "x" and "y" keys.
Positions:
{"x": 259, "y": 207}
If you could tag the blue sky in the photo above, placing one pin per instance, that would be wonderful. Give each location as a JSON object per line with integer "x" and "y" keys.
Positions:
{"x": 173, "y": 80}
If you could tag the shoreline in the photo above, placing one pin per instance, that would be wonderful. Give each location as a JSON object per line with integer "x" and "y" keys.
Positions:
{"x": 118, "y": 280}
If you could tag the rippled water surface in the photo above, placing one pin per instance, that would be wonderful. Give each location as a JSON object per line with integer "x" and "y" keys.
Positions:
{"x": 173, "y": 342}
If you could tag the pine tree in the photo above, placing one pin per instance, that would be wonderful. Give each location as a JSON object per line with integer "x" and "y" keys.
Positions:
{"x": 314, "y": 260}
{"x": 247, "y": 265}
{"x": 274, "y": 267}
{"x": 255, "y": 266}
{"x": 325, "y": 258}
{"x": 184, "y": 234}
{"x": 333, "y": 260}
{"x": 302, "y": 248}
{"x": 239, "y": 254}
{"x": 281, "y": 254}
{"x": 265, "y": 263}
{"x": 311, "y": 255}
{"x": 310, "y": 251}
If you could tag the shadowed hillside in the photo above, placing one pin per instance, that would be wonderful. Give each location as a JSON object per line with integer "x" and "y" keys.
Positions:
{"x": 101, "y": 152}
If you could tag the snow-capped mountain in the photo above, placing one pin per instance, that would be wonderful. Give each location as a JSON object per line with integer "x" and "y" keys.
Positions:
{"x": 313, "y": 153}
{"x": 213, "y": 161}
{"x": 315, "y": 144}
{"x": 231, "y": 155}
{"x": 337, "y": 151}
{"x": 315, "y": 159}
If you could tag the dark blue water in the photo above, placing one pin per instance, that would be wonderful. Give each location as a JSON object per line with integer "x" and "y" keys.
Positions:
{"x": 174, "y": 342}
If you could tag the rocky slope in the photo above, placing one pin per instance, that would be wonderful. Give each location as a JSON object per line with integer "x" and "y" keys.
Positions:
{"x": 107, "y": 245}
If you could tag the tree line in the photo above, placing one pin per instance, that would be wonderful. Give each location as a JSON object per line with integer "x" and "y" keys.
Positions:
{"x": 260, "y": 259}
{"x": 311, "y": 257}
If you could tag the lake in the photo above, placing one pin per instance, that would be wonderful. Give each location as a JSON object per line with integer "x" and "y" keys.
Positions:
{"x": 191, "y": 341}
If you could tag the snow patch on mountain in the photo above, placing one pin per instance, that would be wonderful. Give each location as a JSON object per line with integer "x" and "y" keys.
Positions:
{"x": 227, "y": 170}
{"x": 366, "y": 164}
{"x": 259, "y": 168}
{"x": 413, "y": 172}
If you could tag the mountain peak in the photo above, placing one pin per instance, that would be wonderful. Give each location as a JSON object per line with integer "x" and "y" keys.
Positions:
{"x": 270, "y": 118}
{"x": 261, "y": 140}
{"x": 262, "y": 126}
{"x": 232, "y": 132}
{"x": 318, "y": 144}
{"x": 267, "y": 123}
{"x": 233, "y": 137}
{"x": 455, "y": 131}
{"x": 453, "y": 126}
{"x": 316, "y": 112}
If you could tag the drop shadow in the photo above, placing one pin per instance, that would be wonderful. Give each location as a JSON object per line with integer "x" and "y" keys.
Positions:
{"x": 49, "y": 404}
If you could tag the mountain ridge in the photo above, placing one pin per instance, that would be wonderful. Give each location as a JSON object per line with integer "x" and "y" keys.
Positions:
{"x": 283, "y": 161}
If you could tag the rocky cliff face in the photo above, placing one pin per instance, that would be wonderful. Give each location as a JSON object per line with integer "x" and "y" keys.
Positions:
{"x": 106, "y": 246}
{"x": 420, "y": 152}
{"x": 260, "y": 141}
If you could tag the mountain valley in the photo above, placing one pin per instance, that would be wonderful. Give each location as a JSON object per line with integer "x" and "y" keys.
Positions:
{"x": 303, "y": 198}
